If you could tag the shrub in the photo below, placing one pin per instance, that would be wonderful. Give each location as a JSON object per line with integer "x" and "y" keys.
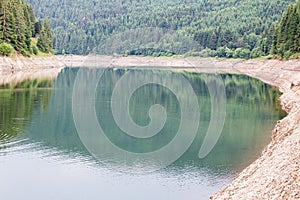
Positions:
{"x": 241, "y": 53}
{"x": 6, "y": 49}
{"x": 296, "y": 55}
{"x": 35, "y": 50}
{"x": 255, "y": 53}
{"x": 207, "y": 53}
{"x": 287, "y": 55}
{"x": 229, "y": 53}
{"x": 221, "y": 52}
{"x": 24, "y": 52}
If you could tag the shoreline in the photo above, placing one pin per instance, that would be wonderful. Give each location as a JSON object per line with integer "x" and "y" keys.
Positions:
{"x": 17, "y": 69}
{"x": 275, "y": 174}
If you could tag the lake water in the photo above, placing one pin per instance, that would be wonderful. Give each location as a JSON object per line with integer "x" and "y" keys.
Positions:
{"x": 46, "y": 151}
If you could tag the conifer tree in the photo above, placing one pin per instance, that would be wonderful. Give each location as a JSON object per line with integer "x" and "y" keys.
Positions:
{"x": 17, "y": 27}
{"x": 286, "y": 41}
{"x": 45, "y": 38}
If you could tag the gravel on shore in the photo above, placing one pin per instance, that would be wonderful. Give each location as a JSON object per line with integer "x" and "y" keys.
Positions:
{"x": 276, "y": 173}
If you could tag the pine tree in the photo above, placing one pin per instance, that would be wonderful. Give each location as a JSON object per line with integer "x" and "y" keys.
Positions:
{"x": 7, "y": 22}
{"x": 2, "y": 19}
{"x": 286, "y": 41}
{"x": 32, "y": 19}
{"x": 41, "y": 44}
{"x": 20, "y": 28}
{"x": 45, "y": 38}
{"x": 48, "y": 34}
{"x": 17, "y": 26}
{"x": 37, "y": 28}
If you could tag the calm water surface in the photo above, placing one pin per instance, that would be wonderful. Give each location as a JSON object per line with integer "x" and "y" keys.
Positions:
{"x": 42, "y": 156}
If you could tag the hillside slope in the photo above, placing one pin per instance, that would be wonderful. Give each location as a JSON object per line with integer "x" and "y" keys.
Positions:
{"x": 79, "y": 26}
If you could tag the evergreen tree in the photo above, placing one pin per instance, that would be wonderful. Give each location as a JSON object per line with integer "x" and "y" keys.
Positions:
{"x": 37, "y": 28}
{"x": 41, "y": 44}
{"x": 45, "y": 38}
{"x": 80, "y": 28}
{"x": 31, "y": 19}
{"x": 17, "y": 26}
{"x": 286, "y": 41}
{"x": 48, "y": 35}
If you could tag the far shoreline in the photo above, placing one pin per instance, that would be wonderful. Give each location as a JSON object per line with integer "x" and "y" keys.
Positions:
{"x": 18, "y": 68}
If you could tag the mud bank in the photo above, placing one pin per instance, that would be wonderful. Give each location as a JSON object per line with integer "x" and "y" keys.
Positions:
{"x": 275, "y": 174}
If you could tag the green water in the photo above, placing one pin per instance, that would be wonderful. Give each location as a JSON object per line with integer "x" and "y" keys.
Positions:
{"x": 42, "y": 155}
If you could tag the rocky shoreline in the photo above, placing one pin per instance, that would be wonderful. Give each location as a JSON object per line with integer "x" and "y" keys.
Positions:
{"x": 274, "y": 175}
{"x": 18, "y": 69}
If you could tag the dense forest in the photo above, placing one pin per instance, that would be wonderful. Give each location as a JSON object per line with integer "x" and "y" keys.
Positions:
{"x": 19, "y": 30}
{"x": 224, "y": 28}
{"x": 229, "y": 28}
{"x": 286, "y": 42}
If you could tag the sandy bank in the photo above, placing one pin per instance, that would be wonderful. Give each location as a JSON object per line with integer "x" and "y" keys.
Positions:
{"x": 276, "y": 174}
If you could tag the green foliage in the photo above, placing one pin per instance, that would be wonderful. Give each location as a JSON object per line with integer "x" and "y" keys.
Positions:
{"x": 6, "y": 49}
{"x": 80, "y": 26}
{"x": 241, "y": 53}
{"x": 287, "y": 37}
{"x": 45, "y": 38}
{"x": 18, "y": 25}
{"x": 255, "y": 53}
{"x": 221, "y": 51}
{"x": 34, "y": 50}
{"x": 37, "y": 28}
{"x": 295, "y": 56}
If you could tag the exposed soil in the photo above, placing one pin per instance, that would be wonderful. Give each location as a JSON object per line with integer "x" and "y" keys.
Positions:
{"x": 275, "y": 174}
{"x": 18, "y": 69}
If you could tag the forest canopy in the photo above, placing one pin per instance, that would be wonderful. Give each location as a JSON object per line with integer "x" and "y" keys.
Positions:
{"x": 286, "y": 43}
{"x": 225, "y": 28}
